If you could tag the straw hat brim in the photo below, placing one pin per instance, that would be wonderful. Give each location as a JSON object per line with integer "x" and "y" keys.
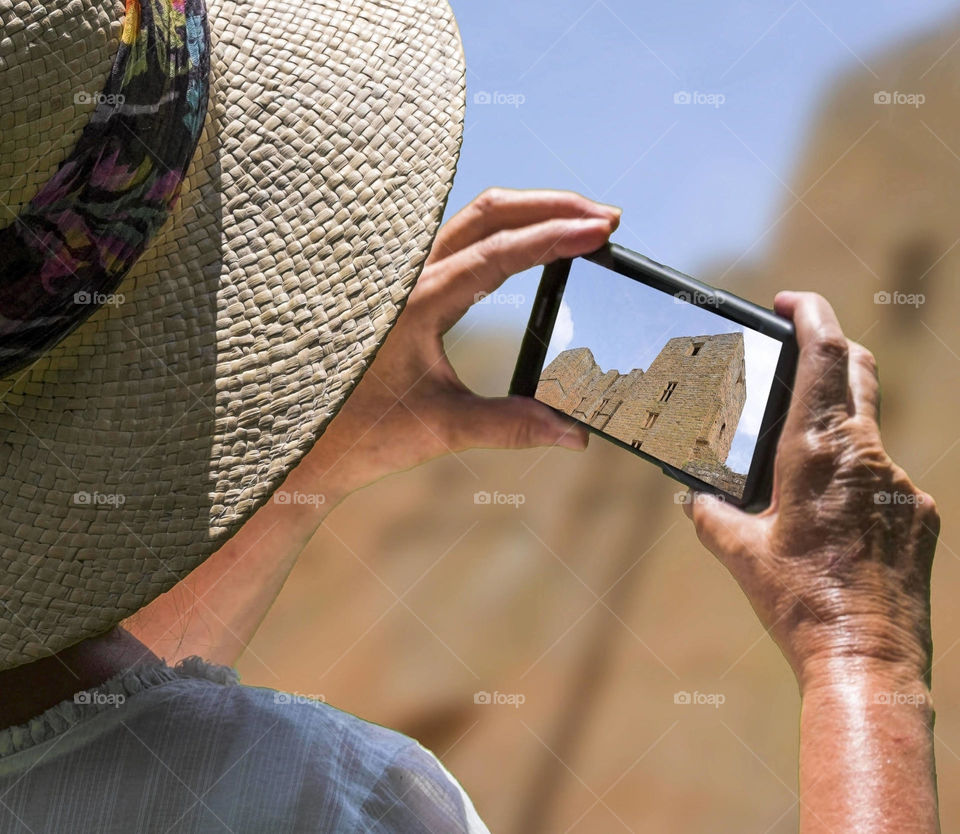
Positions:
{"x": 138, "y": 445}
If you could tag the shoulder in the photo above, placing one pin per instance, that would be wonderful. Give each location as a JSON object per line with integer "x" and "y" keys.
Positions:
{"x": 381, "y": 780}
{"x": 416, "y": 793}
{"x": 337, "y": 737}
{"x": 190, "y": 748}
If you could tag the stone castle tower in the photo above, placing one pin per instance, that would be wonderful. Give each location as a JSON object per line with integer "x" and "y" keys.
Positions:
{"x": 683, "y": 409}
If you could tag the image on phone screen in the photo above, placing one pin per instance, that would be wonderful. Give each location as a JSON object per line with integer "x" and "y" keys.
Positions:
{"x": 677, "y": 381}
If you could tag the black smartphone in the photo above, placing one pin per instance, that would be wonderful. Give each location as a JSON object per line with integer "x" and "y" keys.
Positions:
{"x": 692, "y": 378}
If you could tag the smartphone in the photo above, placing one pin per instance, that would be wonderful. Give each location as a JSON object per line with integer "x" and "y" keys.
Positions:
{"x": 685, "y": 375}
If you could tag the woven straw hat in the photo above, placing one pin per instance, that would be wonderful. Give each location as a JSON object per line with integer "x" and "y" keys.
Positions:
{"x": 152, "y": 427}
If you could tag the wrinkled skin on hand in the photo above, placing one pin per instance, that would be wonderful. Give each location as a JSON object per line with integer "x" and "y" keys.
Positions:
{"x": 838, "y": 567}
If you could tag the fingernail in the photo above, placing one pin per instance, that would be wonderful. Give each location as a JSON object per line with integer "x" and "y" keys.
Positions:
{"x": 575, "y": 440}
{"x": 592, "y": 224}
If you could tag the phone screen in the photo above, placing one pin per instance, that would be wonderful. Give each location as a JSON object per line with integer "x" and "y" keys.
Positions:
{"x": 679, "y": 382}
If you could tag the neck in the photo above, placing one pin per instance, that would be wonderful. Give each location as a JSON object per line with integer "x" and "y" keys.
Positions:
{"x": 28, "y": 690}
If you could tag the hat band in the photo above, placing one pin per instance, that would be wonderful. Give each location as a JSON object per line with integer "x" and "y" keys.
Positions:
{"x": 68, "y": 250}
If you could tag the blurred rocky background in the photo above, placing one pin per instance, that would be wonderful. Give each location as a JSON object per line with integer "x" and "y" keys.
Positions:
{"x": 582, "y": 602}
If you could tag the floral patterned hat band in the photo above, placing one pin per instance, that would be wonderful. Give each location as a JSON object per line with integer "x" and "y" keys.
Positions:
{"x": 69, "y": 249}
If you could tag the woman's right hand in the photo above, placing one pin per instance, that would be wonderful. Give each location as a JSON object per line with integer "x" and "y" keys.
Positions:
{"x": 838, "y": 567}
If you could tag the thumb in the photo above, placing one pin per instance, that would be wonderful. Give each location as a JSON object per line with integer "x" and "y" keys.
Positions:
{"x": 515, "y": 423}
{"x": 727, "y": 532}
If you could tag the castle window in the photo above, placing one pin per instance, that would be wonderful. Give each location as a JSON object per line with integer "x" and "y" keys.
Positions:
{"x": 651, "y": 419}
{"x": 740, "y": 378}
{"x": 696, "y": 348}
{"x": 914, "y": 263}
{"x": 668, "y": 392}
{"x": 723, "y": 428}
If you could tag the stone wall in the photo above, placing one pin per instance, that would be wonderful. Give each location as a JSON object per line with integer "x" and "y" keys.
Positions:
{"x": 683, "y": 409}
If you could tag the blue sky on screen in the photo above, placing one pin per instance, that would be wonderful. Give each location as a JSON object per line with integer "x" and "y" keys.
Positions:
{"x": 626, "y": 324}
{"x": 582, "y": 95}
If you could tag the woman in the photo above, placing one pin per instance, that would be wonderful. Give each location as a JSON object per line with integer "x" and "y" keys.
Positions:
{"x": 257, "y": 350}
{"x": 838, "y": 579}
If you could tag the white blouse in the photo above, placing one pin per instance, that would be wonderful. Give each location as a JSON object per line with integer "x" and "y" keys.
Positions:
{"x": 188, "y": 749}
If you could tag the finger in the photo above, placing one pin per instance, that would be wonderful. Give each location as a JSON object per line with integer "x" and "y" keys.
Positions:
{"x": 497, "y": 209}
{"x": 864, "y": 382}
{"x": 725, "y": 531}
{"x": 821, "y": 388}
{"x": 449, "y": 289}
{"x": 512, "y": 423}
